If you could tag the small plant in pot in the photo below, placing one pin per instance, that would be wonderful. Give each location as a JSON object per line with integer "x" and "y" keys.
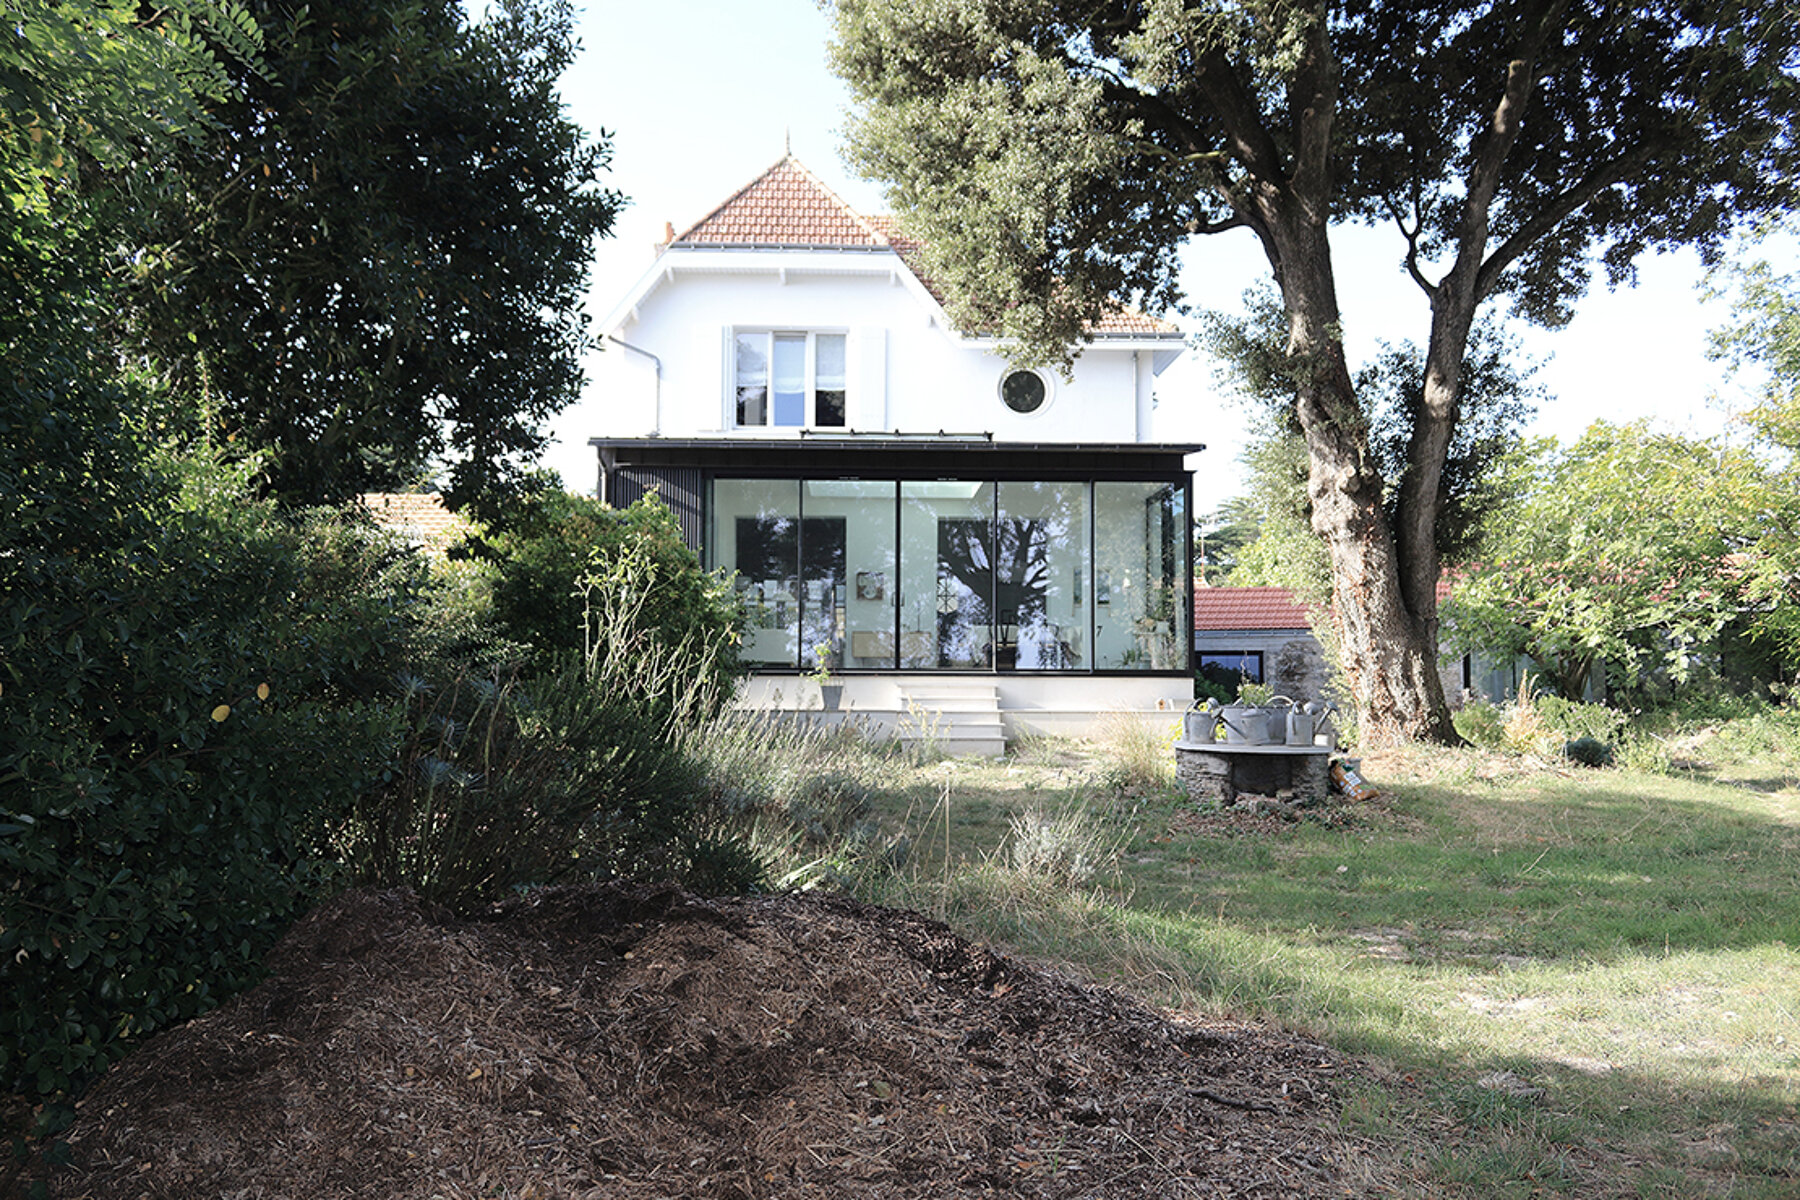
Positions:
{"x": 831, "y": 693}
{"x": 1246, "y": 719}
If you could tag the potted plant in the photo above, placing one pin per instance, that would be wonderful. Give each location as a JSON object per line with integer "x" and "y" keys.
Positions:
{"x": 1249, "y": 720}
{"x": 830, "y": 694}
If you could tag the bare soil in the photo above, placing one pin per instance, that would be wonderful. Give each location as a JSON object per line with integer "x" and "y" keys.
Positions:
{"x": 605, "y": 1042}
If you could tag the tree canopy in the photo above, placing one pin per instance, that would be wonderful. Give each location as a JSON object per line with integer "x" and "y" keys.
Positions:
{"x": 1764, "y": 333}
{"x": 1624, "y": 554}
{"x": 372, "y": 264}
{"x": 1056, "y": 156}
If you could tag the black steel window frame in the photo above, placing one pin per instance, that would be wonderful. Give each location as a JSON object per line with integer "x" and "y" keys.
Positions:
{"x": 1182, "y": 480}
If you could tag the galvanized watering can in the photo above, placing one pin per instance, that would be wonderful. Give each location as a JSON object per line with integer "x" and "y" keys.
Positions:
{"x": 1256, "y": 724}
{"x": 1200, "y": 721}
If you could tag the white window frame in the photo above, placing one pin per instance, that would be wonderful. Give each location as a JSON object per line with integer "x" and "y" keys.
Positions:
{"x": 811, "y": 386}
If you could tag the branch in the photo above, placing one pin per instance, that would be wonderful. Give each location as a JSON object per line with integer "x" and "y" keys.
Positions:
{"x": 1492, "y": 151}
{"x": 1412, "y": 245}
{"x": 1545, "y": 216}
{"x": 1239, "y": 118}
{"x": 1313, "y": 101}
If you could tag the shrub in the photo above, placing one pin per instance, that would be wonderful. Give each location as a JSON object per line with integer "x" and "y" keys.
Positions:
{"x": 1589, "y": 752}
{"x": 556, "y": 541}
{"x": 1576, "y": 719}
{"x": 577, "y": 768}
{"x": 184, "y": 718}
{"x": 501, "y": 782}
{"x": 1481, "y": 724}
{"x": 1064, "y": 849}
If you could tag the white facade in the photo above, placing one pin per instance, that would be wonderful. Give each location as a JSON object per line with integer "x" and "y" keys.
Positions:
{"x": 669, "y": 370}
{"x": 976, "y": 550}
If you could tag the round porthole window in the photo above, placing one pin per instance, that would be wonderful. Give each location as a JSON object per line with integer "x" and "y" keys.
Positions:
{"x": 1023, "y": 391}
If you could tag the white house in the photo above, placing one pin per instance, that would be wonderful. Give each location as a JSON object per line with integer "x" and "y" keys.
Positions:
{"x": 952, "y": 534}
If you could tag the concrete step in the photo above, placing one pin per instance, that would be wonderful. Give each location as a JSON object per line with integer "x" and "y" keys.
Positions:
{"x": 960, "y": 719}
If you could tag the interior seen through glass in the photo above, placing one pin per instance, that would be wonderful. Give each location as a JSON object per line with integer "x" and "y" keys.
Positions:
{"x": 957, "y": 575}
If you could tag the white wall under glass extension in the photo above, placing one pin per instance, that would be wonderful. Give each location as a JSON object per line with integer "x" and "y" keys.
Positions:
{"x": 789, "y": 378}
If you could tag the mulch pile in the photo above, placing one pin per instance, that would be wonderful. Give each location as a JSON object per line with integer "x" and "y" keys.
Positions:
{"x": 605, "y": 1042}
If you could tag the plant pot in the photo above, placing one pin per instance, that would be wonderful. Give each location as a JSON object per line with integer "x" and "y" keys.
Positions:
{"x": 831, "y": 695}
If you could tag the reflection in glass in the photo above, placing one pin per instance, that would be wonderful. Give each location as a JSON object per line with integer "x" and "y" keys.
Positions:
{"x": 756, "y": 532}
{"x": 1141, "y": 596}
{"x": 789, "y": 373}
{"x": 752, "y": 378}
{"x": 849, "y": 531}
{"x": 1040, "y": 546}
{"x": 946, "y": 574}
{"x": 828, "y": 380}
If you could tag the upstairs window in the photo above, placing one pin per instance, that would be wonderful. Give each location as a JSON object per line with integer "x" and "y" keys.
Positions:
{"x": 790, "y": 379}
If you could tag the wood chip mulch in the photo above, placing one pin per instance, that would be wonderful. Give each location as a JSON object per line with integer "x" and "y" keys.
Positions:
{"x": 638, "y": 1043}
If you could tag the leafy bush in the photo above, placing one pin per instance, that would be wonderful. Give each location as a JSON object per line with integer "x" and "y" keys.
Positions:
{"x": 578, "y": 768}
{"x": 185, "y": 718}
{"x": 556, "y": 541}
{"x": 1589, "y": 752}
{"x": 1576, "y": 719}
{"x": 1481, "y": 724}
{"x": 501, "y": 782}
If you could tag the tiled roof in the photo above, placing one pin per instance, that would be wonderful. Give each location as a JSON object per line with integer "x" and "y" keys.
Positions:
{"x": 788, "y": 206}
{"x": 1247, "y": 608}
{"x": 419, "y": 515}
{"x": 784, "y": 206}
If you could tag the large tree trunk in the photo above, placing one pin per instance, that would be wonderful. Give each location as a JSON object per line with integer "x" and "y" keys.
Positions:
{"x": 1386, "y": 631}
{"x": 1384, "y": 588}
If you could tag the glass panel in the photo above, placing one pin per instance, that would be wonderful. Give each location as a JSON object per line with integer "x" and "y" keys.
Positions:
{"x": 790, "y": 379}
{"x": 859, "y": 632}
{"x": 756, "y": 532}
{"x": 1041, "y": 550}
{"x": 753, "y": 378}
{"x": 828, "y": 379}
{"x": 947, "y": 576}
{"x": 1140, "y": 583}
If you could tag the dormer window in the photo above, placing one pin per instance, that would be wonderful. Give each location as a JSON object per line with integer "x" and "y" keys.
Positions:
{"x": 790, "y": 379}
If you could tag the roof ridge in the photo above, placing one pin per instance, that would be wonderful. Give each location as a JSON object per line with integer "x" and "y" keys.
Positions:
{"x": 788, "y": 160}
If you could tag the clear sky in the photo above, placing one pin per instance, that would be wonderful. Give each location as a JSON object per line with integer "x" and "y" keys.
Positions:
{"x": 700, "y": 96}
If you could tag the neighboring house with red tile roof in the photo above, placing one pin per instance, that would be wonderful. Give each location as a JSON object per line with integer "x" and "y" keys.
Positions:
{"x": 1257, "y": 635}
{"x": 418, "y": 516}
{"x": 1266, "y": 635}
{"x": 890, "y": 487}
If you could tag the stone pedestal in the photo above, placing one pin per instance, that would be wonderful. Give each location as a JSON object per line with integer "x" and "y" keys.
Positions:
{"x": 1217, "y": 773}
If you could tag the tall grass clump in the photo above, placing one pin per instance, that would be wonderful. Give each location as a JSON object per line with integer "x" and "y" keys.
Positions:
{"x": 578, "y": 768}
{"x": 1065, "y": 848}
{"x": 800, "y": 796}
{"x": 1130, "y": 756}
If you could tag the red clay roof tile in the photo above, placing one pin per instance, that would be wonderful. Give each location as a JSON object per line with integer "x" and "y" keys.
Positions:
{"x": 784, "y": 206}
{"x": 788, "y": 206}
{"x": 1247, "y": 608}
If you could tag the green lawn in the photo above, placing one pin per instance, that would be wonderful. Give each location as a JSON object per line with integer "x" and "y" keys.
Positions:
{"x": 1626, "y": 945}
